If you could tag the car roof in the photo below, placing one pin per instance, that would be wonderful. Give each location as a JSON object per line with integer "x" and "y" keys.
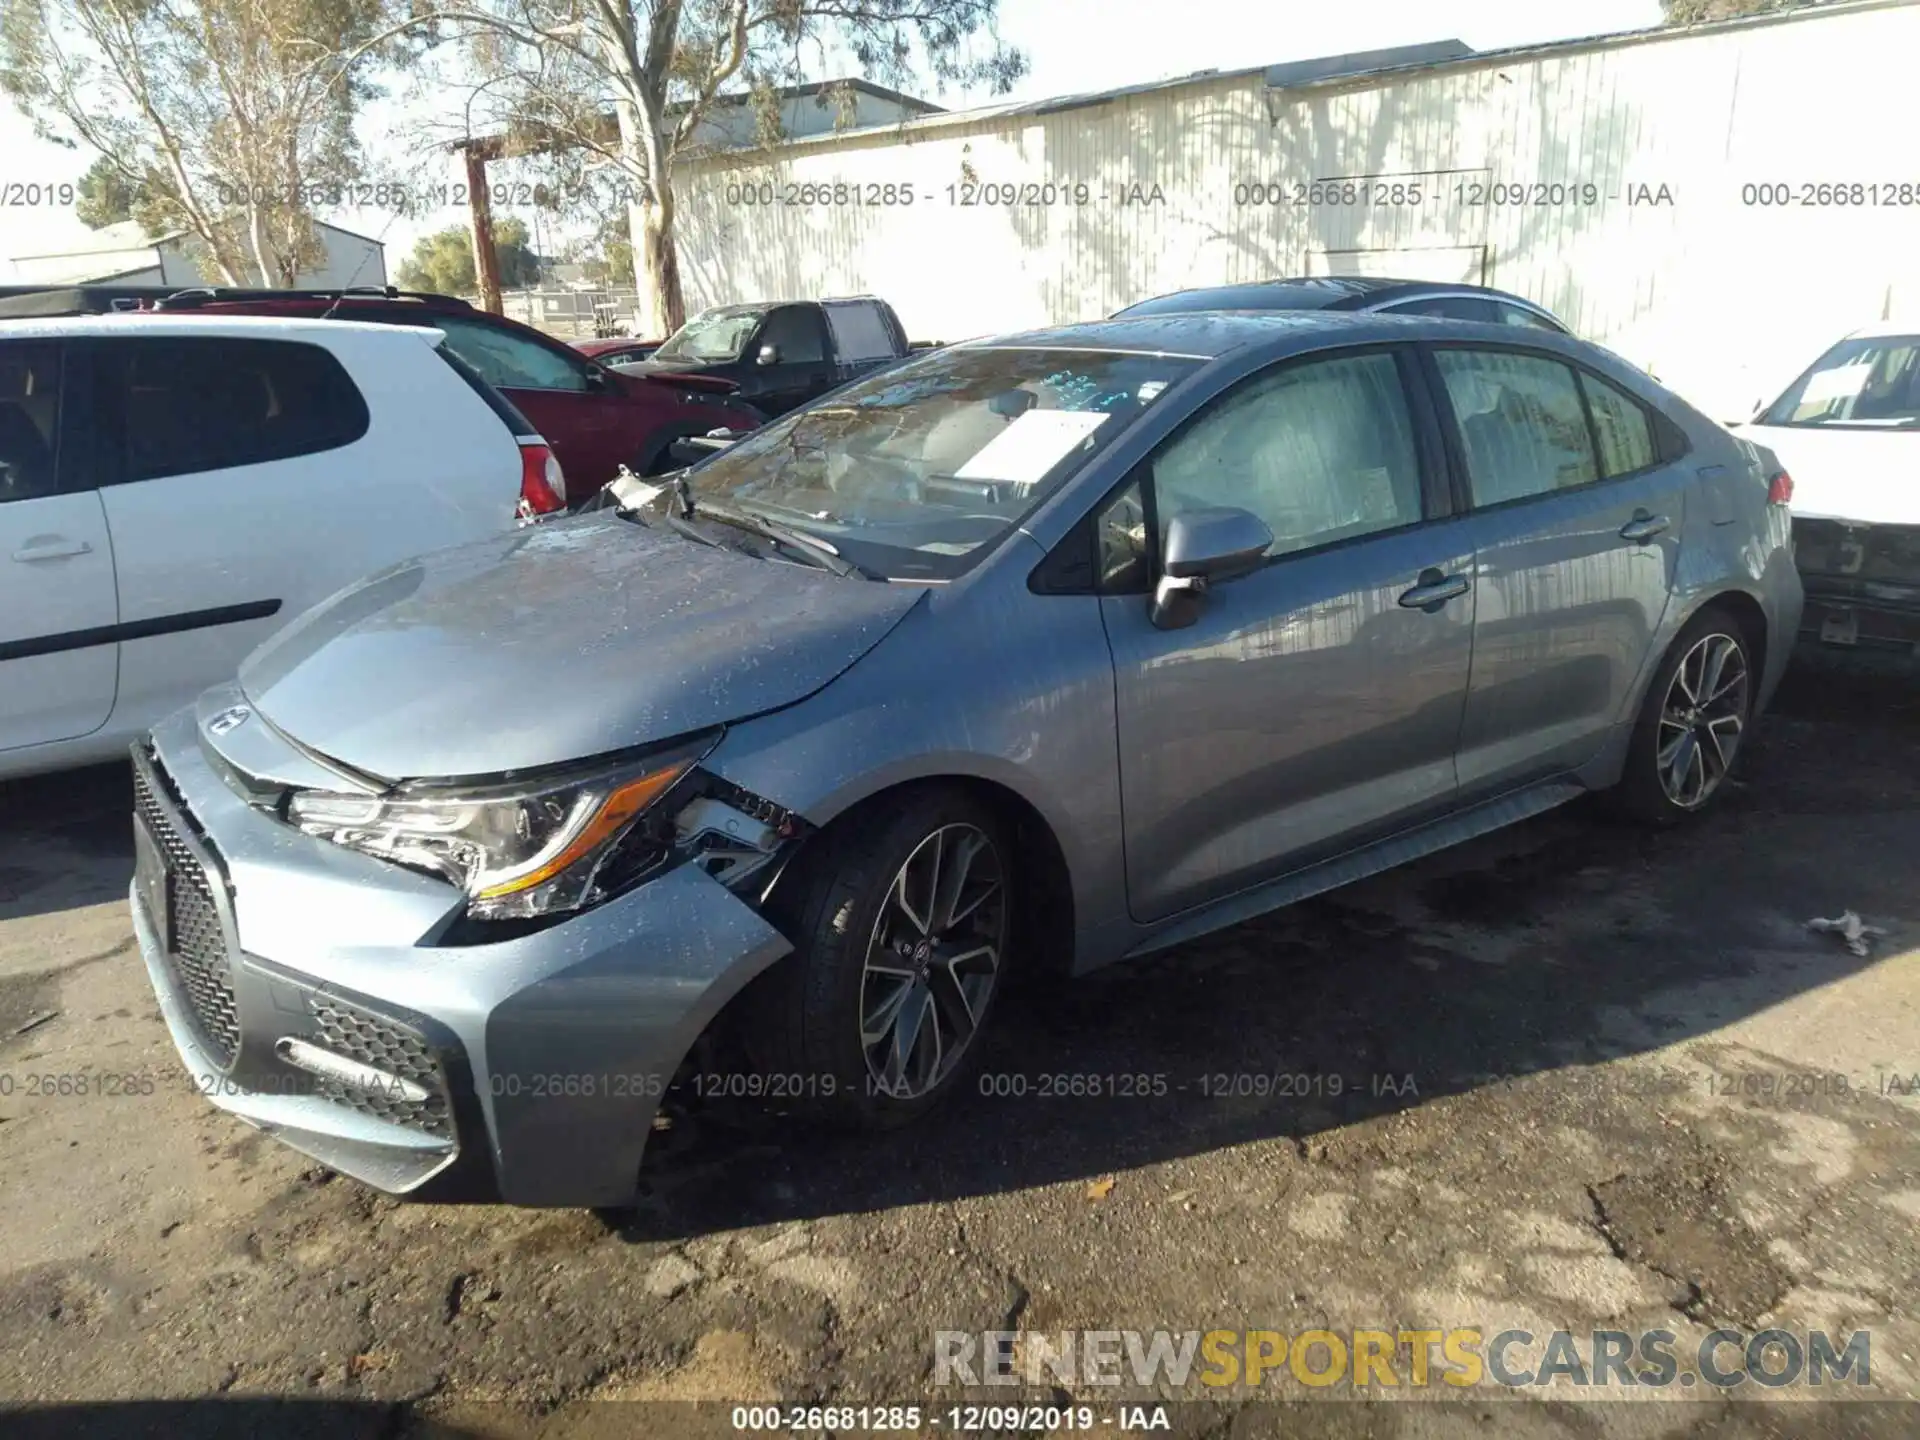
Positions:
{"x": 150, "y": 322}
{"x": 1309, "y": 293}
{"x": 40, "y": 301}
{"x": 1315, "y": 292}
{"x": 1209, "y": 334}
{"x": 1909, "y": 326}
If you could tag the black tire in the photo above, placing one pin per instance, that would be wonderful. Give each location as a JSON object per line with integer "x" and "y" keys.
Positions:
{"x": 1643, "y": 793}
{"x": 804, "y": 1023}
{"x": 660, "y": 462}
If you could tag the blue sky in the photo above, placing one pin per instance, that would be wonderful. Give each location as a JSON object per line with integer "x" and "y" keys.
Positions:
{"x": 1072, "y": 45}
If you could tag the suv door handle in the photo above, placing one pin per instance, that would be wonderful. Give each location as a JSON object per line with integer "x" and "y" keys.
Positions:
{"x": 1643, "y": 527}
{"x": 1434, "y": 589}
{"x": 51, "y": 547}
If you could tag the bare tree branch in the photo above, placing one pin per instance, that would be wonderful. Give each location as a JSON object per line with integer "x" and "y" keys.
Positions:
{"x": 632, "y": 84}
{"x": 224, "y": 117}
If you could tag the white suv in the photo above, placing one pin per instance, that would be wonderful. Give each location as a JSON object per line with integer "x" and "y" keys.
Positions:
{"x": 175, "y": 489}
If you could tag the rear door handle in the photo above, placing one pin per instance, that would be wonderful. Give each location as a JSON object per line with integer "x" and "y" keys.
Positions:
{"x": 1643, "y": 527}
{"x": 52, "y": 547}
{"x": 1434, "y": 589}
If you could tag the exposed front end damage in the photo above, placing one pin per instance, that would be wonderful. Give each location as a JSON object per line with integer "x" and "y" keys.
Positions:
{"x": 1862, "y": 583}
{"x": 345, "y": 1005}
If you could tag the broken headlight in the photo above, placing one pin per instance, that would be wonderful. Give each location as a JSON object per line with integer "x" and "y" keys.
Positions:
{"x": 539, "y": 848}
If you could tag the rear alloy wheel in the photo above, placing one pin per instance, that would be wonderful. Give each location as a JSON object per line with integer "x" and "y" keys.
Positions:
{"x": 1702, "y": 720}
{"x": 1692, "y": 723}
{"x": 902, "y": 923}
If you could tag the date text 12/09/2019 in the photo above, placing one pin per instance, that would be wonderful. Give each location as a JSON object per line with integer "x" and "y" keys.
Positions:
{"x": 1268, "y": 194}
{"x": 38, "y": 195}
{"x": 1436, "y": 191}
{"x": 1050, "y": 1419}
{"x": 401, "y": 197}
{"x": 879, "y": 195}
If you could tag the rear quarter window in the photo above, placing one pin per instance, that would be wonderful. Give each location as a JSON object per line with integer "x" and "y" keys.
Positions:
{"x": 1623, "y": 428}
{"x": 1526, "y": 319}
{"x": 179, "y": 405}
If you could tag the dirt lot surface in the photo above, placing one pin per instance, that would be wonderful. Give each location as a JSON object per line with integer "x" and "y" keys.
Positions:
{"x": 1609, "y": 1101}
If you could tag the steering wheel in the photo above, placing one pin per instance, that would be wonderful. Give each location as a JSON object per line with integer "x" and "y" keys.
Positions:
{"x": 868, "y": 468}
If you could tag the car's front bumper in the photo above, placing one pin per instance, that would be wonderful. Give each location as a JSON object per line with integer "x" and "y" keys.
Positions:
{"x": 1862, "y": 584}
{"x": 529, "y": 1070}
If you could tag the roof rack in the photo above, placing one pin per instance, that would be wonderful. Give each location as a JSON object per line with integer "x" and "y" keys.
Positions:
{"x": 50, "y": 301}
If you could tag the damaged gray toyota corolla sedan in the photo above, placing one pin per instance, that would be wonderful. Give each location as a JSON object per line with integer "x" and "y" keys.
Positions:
{"x": 1036, "y": 652}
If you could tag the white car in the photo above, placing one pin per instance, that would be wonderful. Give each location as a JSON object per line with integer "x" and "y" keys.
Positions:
{"x": 173, "y": 489}
{"x": 1848, "y": 432}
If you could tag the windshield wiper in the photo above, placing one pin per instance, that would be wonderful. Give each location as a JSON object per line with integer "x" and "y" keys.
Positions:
{"x": 809, "y": 547}
{"x": 684, "y": 527}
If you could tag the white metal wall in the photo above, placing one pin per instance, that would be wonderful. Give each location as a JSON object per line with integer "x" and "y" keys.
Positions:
{"x": 351, "y": 260}
{"x": 1621, "y": 171}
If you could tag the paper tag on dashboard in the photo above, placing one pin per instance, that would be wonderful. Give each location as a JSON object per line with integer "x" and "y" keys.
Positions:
{"x": 1031, "y": 445}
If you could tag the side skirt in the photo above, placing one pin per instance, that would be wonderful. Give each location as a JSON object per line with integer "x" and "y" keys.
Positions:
{"x": 1481, "y": 819}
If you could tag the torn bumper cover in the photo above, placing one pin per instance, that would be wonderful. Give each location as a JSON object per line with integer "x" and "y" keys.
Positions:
{"x": 1862, "y": 583}
{"x": 311, "y": 991}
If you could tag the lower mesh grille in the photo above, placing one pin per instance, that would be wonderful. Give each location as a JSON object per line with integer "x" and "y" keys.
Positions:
{"x": 197, "y": 947}
{"x": 385, "y": 1044}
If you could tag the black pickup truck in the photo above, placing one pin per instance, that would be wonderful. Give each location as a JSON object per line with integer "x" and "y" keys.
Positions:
{"x": 783, "y": 353}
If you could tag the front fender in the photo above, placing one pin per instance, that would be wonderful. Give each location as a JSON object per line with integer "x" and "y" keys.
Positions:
{"x": 949, "y": 695}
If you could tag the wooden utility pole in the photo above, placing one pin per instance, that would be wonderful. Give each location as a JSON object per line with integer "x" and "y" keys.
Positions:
{"x": 478, "y": 152}
{"x": 486, "y": 260}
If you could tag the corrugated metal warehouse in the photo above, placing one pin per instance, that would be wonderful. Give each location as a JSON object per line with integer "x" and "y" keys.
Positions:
{"x": 1716, "y": 204}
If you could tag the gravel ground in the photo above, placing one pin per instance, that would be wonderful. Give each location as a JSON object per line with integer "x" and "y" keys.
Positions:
{"x": 1532, "y": 1040}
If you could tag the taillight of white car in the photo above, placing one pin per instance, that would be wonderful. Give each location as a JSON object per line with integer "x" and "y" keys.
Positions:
{"x": 543, "y": 485}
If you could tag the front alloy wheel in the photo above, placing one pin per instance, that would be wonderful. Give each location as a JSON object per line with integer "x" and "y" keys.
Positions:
{"x": 1702, "y": 720}
{"x": 904, "y": 918}
{"x": 932, "y": 961}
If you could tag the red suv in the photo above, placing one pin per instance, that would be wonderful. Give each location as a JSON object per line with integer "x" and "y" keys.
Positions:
{"x": 595, "y": 418}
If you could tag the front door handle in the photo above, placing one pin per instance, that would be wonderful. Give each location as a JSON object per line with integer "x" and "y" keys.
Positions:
{"x": 1643, "y": 527}
{"x": 52, "y": 547}
{"x": 1434, "y": 589}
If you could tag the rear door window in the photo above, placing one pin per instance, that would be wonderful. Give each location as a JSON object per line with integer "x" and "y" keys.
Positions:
{"x": 181, "y": 405}
{"x": 1522, "y": 423}
{"x": 29, "y": 419}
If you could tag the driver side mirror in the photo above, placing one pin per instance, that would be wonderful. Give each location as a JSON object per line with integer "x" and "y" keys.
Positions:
{"x": 769, "y": 355}
{"x": 1205, "y": 548}
{"x": 597, "y": 377}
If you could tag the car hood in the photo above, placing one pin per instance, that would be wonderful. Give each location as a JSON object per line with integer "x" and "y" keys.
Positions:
{"x": 670, "y": 365}
{"x": 558, "y": 642}
{"x": 1872, "y": 476}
